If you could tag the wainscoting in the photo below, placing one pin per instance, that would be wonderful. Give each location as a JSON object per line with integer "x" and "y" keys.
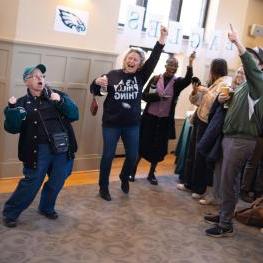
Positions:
{"x": 171, "y": 145}
{"x": 68, "y": 70}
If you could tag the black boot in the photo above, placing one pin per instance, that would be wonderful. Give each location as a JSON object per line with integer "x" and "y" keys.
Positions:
{"x": 105, "y": 194}
{"x": 151, "y": 176}
{"x": 131, "y": 177}
{"x": 152, "y": 179}
{"x": 124, "y": 184}
{"x": 8, "y": 222}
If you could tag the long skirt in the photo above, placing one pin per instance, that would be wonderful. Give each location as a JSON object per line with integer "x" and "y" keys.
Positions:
{"x": 154, "y": 136}
{"x": 198, "y": 172}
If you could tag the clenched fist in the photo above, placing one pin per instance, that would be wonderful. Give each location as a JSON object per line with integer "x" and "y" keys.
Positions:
{"x": 12, "y": 100}
{"x": 163, "y": 35}
{"x": 54, "y": 96}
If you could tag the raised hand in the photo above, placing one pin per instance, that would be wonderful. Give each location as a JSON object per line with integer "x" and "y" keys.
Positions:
{"x": 199, "y": 89}
{"x": 192, "y": 58}
{"x": 232, "y": 35}
{"x": 163, "y": 35}
{"x": 12, "y": 100}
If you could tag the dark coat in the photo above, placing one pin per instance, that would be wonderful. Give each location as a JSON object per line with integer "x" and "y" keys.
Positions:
{"x": 23, "y": 118}
{"x": 155, "y": 131}
{"x": 210, "y": 143}
{"x": 179, "y": 84}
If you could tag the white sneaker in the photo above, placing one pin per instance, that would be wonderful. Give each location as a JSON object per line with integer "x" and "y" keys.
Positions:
{"x": 181, "y": 187}
{"x": 208, "y": 201}
{"x": 197, "y": 196}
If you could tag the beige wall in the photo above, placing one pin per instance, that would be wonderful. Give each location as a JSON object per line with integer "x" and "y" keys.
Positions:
{"x": 8, "y": 17}
{"x": 240, "y": 13}
{"x": 233, "y": 12}
{"x": 35, "y": 23}
{"x": 254, "y": 16}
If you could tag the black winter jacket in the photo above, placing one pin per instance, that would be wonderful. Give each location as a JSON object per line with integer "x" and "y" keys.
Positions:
{"x": 23, "y": 118}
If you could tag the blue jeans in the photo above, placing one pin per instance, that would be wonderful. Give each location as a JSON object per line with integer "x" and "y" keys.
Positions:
{"x": 58, "y": 168}
{"x": 130, "y": 138}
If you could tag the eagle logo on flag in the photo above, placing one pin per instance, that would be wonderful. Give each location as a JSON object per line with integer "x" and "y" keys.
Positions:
{"x": 71, "y": 20}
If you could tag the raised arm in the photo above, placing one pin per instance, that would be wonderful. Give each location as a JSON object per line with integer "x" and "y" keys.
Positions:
{"x": 233, "y": 37}
{"x": 197, "y": 94}
{"x": 163, "y": 35}
{"x": 152, "y": 61}
{"x": 253, "y": 74}
{"x": 182, "y": 83}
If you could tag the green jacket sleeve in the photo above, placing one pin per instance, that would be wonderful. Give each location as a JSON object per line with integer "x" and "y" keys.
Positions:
{"x": 14, "y": 118}
{"x": 253, "y": 74}
{"x": 68, "y": 108}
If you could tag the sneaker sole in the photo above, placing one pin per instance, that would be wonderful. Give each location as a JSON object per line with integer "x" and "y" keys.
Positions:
{"x": 222, "y": 235}
{"x": 205, "y": 203}
{"x": 10, "y": 225}
{"x": 211, "y": 203}
{"x": 183, "y": 189}
{"x": 208, "y": 202}
{"x": 198, "y": 197}
{"x": 51, "y": 217}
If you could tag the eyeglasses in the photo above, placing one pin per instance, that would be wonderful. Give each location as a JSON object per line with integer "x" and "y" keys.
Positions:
{"x": 35, "y": 76}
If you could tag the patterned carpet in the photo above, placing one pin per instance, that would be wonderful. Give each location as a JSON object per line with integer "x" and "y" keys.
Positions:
{"x": 156, "y": 224}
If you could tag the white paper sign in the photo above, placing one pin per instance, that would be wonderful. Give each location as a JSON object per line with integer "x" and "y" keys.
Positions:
{"x": 214, "y": 45}
{"x": 71, "y": 20}
{"x": 195, "y": 41}
{"x": 134, "y": 19}
{"x": 132, "y": 34}
{"x": 175, "y": 36}
{"x": 229, "y": 51}
{"x": 153, "y": 29}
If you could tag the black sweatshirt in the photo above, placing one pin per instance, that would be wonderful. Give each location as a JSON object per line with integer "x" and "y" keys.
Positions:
{"x": 122, "y": 106}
